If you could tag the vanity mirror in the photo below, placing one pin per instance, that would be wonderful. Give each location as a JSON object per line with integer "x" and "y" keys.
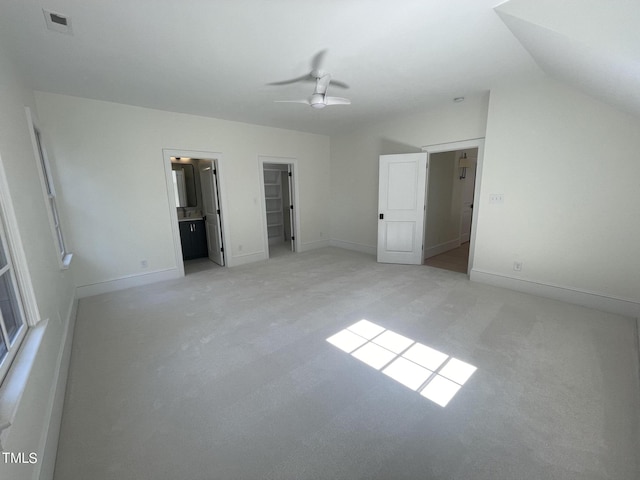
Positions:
{"x": 184, "y": 184}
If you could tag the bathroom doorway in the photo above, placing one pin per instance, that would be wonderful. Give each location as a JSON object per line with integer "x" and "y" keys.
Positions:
{"x": 194, "y": 190}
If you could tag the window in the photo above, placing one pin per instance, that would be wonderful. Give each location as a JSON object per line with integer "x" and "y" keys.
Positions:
{"x": 64, "y": 256}
{"x": 13, "y": 325}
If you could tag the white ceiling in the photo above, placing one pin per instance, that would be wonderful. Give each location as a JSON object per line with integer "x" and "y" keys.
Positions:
{"x": 215, "y": 58}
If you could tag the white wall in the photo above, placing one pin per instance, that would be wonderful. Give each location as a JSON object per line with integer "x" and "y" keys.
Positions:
{"x": 53, "y": 287}
{"x": 354, "y": 163}
{"x": 111, "y": 168}
{"x": 569, "y": 171}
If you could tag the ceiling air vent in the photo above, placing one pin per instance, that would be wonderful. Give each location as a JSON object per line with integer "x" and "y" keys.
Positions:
{"x": 57, "y": 22}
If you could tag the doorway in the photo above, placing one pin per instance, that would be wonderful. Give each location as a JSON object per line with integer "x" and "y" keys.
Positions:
{"x": 280, "y": 221}
{"x": 449, "y": 210}
{"x": 403, "y": 202}
{"x": 194, "y": 193}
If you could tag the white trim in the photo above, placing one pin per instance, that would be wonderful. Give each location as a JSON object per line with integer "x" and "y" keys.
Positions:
{"x": 15, "y": 382}
{"x": 357, "y": 247}
{"x": 262, "y": 159}
{"x": 135, "y": 280}
{"x": 21, "y": 267}
{"x": 48, "y": 185}
{"x": 243, "y": 259}
{"x": 598, "y": 301}
{"x": 441, "y": 248}
{"x": 216, "y": 158}
{"x": 306, "y": 246}
{"x": 638, "y": 343}
{"x": 465, "y": 145}
{"x": 49, "y": 439}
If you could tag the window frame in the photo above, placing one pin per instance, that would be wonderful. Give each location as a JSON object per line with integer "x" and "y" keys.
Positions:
{"x": 48, "y": 190}
{"x": 12, "y": 345}
{"x": 12, "y": 243}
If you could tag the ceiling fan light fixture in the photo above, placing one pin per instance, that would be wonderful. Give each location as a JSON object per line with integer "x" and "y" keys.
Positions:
{"x": 317, "y": 101}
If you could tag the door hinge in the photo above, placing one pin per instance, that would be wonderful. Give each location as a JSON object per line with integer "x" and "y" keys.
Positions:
{"x": 291, "y": 207}
{"x": 290, "y": 174}
{"x": 293, "y": 238}
{"x": 215, "y": 171}
{"x": 218, "y": 211}
{"x": 222, "y": 249}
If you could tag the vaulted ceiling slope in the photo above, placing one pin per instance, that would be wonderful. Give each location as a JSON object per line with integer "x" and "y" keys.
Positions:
{"x": 593, "y": 45}
{"x": 216, "y": 58}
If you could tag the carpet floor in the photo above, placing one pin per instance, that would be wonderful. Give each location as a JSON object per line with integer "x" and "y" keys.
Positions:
{"x": 227, "y": 374}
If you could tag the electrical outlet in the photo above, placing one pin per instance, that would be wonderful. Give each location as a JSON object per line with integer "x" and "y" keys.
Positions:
{"x": 517, "y": 266}
{"x": 496, "y": 198}
{"x": 143, "y": 264}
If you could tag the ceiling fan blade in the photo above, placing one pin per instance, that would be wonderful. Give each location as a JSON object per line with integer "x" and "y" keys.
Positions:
{"x": 336, "y": 101}
{"x": 305, "y": 101}
{"x": 302, "y": 78}
{"x": 339, "y": 84}
{"x": 322, "y": 84}
{"x": 316, "y": 63}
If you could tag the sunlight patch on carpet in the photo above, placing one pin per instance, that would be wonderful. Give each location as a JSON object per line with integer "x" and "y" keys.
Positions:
{"x": 433, "y": 374}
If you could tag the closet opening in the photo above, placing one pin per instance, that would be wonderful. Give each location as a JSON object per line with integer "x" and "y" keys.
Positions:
{"x": 278, "y": 182}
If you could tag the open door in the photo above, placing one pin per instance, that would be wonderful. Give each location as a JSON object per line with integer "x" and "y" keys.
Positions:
{"x": 468, "y": 189}
{"x": 401, "y": 207}
{"x": 211, "y": 207}
{"x": 291, "y": 207}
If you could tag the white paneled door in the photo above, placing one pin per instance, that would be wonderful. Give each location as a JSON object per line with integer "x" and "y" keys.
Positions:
{"x": 212, "y": 212}
{"x": 401, "y": 207}
{"x": 468, "y": 185}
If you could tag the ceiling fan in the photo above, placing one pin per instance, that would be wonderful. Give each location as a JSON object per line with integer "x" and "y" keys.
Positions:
{"x": 319, "y": 97}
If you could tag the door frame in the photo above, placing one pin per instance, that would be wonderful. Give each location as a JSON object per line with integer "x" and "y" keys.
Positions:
{"x": 216, "y": 158}
{"x": 295, "y": 231}
{"x": 463, "y": 145}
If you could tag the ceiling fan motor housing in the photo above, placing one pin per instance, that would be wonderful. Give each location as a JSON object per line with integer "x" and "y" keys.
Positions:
{"x": 317, "y": 100}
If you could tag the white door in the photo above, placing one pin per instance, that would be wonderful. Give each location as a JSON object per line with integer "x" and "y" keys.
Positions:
{"x": 291, "y": 208}
{"x": 401, "y": 207}
{"x": 468, "y": 184}
{"x": 211, "y": 209}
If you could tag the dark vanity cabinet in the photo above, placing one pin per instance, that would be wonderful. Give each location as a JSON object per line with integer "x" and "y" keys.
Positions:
{"x": 193, "y": 238}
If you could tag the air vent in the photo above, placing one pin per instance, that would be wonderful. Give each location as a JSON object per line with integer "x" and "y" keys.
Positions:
{"x": 57, "y": 22}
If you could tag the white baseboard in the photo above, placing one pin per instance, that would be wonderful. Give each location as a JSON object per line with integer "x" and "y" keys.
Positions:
{"x": 358, "y": 247}
{"x": 441, "y": 248}
{"x": 126, "y": 282}
{"x": 620, "y": 306}
{"x": 305, "y": 247}
{"x": 243, "y": 259}
{"x": 55, "y": 404}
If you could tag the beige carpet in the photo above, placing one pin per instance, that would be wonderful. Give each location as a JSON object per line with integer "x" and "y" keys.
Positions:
{"x": 227, "y": 374}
